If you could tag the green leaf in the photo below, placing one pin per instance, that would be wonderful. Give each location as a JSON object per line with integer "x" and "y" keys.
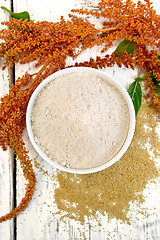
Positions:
{"x": 22, "y": 15}
{"x": 125, "y": 45}
{"x": 155, "y": 80}
{"x": 122, "y": 47}
{"x": 131, "y": 47}
{"x": 135, "y": 93}
{"x": 156, "y": 83}
{"x": 140, "y": 79}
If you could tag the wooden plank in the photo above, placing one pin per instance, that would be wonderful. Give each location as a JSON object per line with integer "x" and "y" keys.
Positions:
{"x": 40, "y": 210}
{"x": 6, "y": 158}
{"x": 39, "y": 220}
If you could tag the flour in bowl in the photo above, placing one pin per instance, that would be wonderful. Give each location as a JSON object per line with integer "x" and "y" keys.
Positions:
{"x": 80, "y": 120}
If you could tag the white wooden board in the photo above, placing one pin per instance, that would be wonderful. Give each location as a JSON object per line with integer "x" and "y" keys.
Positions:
{"x": 39, "y": 221}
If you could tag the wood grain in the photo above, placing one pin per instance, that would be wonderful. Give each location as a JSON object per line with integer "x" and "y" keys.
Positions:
{"x": 40, "y": 220}
{"x": 41, "y": 216}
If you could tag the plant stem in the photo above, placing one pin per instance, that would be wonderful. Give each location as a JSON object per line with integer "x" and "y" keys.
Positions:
{"x": 38, "y": 74}
{"x": 139, "y": 73}
{"x": 110, "y": 29}
{"x": 6, "y": 9}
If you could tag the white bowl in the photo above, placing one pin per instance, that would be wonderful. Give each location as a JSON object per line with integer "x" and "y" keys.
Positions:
{"x": 111, "y": 81}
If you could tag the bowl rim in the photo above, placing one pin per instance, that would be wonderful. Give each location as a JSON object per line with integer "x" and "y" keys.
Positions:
{"x": 113, "y": 82}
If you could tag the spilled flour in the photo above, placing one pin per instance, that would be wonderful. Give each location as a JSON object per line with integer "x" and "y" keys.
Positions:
{"x": 80, "y": 120}
{"x": 113, "y": 190}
